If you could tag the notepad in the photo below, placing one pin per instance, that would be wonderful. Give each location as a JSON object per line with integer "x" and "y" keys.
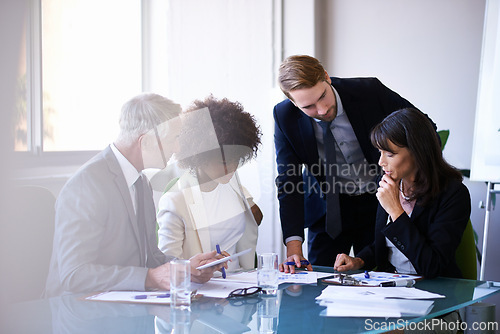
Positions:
{"x": 225, "y": 259}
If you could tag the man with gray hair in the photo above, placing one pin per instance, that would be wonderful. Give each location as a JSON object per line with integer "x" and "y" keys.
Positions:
{"x": 105, "y": 235}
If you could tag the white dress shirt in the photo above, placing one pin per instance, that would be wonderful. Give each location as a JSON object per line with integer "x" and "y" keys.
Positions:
{"x": 353, "y": 171}
{"x": 129, "y": 171}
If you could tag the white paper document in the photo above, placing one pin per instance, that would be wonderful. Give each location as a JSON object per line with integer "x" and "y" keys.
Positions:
{"x": 240, "y": 276}
{"x": 224, "y": 259}
{"x": 361, "y": 301}
{"x": 395, "y": 308}
{"x": 218, "y": 289}
{"x": 375, "y": 278}
{"x": 304, "y": 277}
{"x": 362, "y": 292}
{"x": 300, "y": 277}
{"x": 221, "y": 287}
{"x": 144, "y": 297}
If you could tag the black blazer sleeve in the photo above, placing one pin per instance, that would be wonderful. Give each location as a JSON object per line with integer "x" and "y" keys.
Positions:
{"x": 429, "y": 238}
{"x": 289, "y": 180}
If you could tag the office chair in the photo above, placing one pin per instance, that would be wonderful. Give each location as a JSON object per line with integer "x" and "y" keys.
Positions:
{"x": 32, "y": 225}
{"x": 465, "y": 255}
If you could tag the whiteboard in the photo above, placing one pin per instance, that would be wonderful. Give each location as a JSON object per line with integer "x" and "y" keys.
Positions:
{"x": 485, "y": 165}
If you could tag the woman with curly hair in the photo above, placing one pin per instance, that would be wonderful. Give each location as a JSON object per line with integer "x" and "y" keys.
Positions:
{"x": 207, "y": 206}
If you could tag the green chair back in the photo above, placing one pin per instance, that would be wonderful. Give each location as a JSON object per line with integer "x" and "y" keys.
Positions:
{"x": 466, "y": 254}
{"x": 169, "y": 185}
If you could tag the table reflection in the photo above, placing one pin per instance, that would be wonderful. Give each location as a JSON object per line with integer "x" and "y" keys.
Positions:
{"x": 211, "y": 315}
{"x": 293, "y": 310}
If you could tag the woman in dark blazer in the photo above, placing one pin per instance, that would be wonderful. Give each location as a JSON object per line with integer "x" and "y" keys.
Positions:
{"x": 423, "y": 205}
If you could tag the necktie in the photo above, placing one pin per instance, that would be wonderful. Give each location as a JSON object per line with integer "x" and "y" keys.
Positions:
{"x": 331, "y": 189}
{"x": 140, "y": 214}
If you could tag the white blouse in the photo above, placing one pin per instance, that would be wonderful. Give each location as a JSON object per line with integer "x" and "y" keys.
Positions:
{"x": 226, "y": 219}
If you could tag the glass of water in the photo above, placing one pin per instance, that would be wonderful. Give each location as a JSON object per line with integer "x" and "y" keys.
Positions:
{"x": 267, "y": 273}
{"x": 180, "y": 283}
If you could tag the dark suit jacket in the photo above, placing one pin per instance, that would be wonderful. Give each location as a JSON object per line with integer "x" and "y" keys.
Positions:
{"x": 429, "y": 238}
{"x": 97, "y": 244}
{"x": 366, "y": 102}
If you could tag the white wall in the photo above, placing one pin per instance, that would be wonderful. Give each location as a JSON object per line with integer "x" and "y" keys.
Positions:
{"x": 429, "y": 52}
{"x": 11, "y": 18}
{"x": 226, "y": 47}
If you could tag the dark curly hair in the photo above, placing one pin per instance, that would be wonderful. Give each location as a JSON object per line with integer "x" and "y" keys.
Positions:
{"x": 237, "y": 133}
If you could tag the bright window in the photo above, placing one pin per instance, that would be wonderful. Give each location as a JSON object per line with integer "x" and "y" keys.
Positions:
{"x": 90, "y": 65}
{"x": 21, "y": 108}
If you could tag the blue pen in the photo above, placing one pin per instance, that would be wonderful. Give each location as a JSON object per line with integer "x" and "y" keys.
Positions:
{"x": 291, "y": 263}
{"x": 223, "y": 271}
{"x": 165, "y": 295}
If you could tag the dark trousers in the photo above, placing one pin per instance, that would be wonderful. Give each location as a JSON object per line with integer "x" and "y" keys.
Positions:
{"x": 358, "y": 225}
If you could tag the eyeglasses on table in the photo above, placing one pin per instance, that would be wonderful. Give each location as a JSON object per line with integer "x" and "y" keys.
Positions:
{"x": 243, "y": 292}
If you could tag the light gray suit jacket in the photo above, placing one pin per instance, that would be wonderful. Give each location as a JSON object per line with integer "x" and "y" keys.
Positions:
{"x": 97, "y": 245}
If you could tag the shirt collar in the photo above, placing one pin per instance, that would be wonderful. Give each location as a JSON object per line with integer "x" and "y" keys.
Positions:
{"x": 340, "y": 107}
{"x": 131, "y": 174}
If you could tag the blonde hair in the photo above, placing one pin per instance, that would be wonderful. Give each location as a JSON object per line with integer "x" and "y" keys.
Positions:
{"x": 299, "y": 71}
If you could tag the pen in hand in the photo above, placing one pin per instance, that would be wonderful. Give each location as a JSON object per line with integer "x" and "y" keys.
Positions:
{"x": 303, "y": 262}
{"x": 223, "y": 271}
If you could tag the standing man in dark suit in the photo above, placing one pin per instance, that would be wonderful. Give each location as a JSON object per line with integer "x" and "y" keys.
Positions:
{"x": 326, "y": 164}
{"x": 105, "y": 231}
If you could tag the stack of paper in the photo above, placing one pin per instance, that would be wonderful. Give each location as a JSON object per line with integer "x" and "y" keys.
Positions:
{"x": 393, "y": 308}
{"x": 358, "y": 301}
